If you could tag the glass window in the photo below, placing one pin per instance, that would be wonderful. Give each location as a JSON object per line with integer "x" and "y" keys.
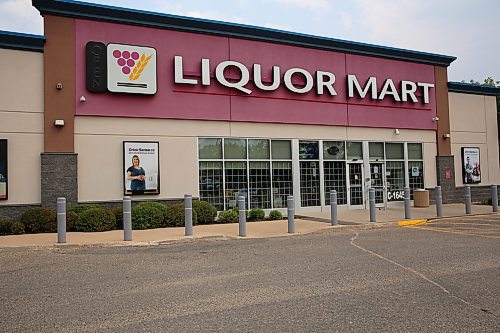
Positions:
{"x": 282, "y": 149}
{"x": 415, "y": 151}
{"x": 394, "y": 151}
{"x": 260, "y": 185}
{"x": 282, "y": 183}
{"x": 395, "y": 176}
{"x": 258, "y": 149}
{"x": 334, "y": 150}
{"x": 308, "y": 150}
{"x": 309, "y": 184}
{"x": 236, "y": 183}
{"x": 416, "y": 176}
{"x": 210, "y": 148}
{"x": 376, "y": 150}
{"x": 335, "y": 180}
{"x": 211, "y": 187}
{"x": 354, "y": 151}
{"x": 235, "y": 149}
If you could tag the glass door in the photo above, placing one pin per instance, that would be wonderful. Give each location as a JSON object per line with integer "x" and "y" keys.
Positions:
{"x": 377, "y": 182}
{"x": 355, "y": 184}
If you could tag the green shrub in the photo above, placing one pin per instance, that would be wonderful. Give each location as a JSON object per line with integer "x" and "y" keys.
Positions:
{"x": 17, "y": 228}
{"x": 71, "y": 218}
{"x": 275, "y": 215}
{"x": 5, "y": 226}
{"x": 36, "y": 220}
{"x": 237, "y": 211}
{"x": 95, "y": 219}
{"x": 118, "y": 212}
{"x": 256, "y": 214}
{"x": 228, "y": 216}
{"x": 205, "y": 212}
{"x": 175, "y": 216}
{"x": 80, "y": 208}
{"x": 10, "y": 227}
{"x": 148, "y": 215}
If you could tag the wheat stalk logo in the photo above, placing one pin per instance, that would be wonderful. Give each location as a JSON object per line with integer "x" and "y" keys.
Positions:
{"x": 139, "y": 67}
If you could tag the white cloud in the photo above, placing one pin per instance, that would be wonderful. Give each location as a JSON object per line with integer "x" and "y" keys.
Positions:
{"x": 458, "y": 28}
{"x": 314, "y": 5}
{"x": 346, "y": 20}
{"x": 20, "y": 16}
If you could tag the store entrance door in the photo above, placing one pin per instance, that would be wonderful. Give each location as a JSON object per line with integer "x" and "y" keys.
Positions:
{"x": 355, "y": 186}
{"x": 377, "y": 182}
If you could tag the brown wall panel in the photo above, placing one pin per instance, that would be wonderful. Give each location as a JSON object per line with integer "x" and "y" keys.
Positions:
{"x": 442, "y": 111}
{"x": 59, "y": 67}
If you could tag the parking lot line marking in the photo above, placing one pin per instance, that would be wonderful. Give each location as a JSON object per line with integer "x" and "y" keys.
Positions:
{"x": 485, "y": 224}
{"x": 451, "y": 232}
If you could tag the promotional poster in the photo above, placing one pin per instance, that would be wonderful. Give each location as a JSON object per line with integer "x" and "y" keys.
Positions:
{"x": 3, "y": 169}
{"x": 471, "y": 170}
{"x": 141, "y": 167}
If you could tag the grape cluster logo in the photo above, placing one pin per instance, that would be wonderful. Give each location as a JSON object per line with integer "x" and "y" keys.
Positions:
{"x": 131, "y": 69}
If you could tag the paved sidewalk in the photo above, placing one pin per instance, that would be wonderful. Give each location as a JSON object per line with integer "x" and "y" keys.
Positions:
{"x": 396, "y": 213}
{"x": 307, "y": 223}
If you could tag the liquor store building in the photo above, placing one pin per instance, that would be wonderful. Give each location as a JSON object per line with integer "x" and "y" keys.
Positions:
{"x": 113, "y": 102}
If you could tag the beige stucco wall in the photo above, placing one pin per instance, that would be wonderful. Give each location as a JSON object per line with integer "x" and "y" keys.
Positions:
{"x": 99, "y": 144}
{"x": 473, "y": 122}
{"x": 21, "y": 114}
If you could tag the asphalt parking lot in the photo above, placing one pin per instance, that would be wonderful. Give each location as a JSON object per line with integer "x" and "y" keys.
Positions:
{"x": 486, "y": 226}
{"x": 442, "y": 276}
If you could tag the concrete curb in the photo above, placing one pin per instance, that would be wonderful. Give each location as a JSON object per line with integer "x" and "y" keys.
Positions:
{"x": 188, "y": 239}
{"x": 407, "y": 223}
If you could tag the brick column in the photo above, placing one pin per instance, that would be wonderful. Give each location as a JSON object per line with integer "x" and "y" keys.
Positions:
{"x": 59, "y": 173}
{"x": 445, "y": 168}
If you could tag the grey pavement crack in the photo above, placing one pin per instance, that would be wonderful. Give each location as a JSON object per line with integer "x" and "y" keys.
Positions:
{"x": 421, "y": 275}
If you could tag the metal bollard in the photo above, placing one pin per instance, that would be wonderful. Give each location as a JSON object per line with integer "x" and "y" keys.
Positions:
{"x": 61, "y": 220}
{"x": 242, "y": 216}
{"x": 373, "y": 210}
{"x": 188, "y": 214}
{"x": 127, "y": 218}
{"x": 439, "y": 201}
{"x": 291, "y": 214}
{"x": 494, "y": 198}
{"x": 468, "y": 200}
{"x": 333, "y": 207}
{"x": 407, "y": 203}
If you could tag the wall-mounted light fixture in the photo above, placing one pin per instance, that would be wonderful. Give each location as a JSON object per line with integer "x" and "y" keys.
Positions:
{"x": 59, "y": 122}
{"x": 435, "y": 119}
{"x": 446, "y": 136}
{"x": 82, "y": 99}
{"x": 396, "y": 131}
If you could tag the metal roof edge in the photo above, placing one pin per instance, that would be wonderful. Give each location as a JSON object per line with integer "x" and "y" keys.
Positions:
{"x": 83, "y": 10}
{"x": 469, "y": 88}
{"x": 20, "y": 41}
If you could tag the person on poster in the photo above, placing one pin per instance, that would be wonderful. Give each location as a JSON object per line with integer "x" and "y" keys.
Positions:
{"x": 468, "y": 171}
{"x": 137, "y": 176}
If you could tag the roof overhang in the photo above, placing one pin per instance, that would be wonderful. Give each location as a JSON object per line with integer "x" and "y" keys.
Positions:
{"x": 89, "y": 11}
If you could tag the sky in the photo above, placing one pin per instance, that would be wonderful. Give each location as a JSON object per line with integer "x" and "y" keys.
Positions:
{"x": 466, "y": 29}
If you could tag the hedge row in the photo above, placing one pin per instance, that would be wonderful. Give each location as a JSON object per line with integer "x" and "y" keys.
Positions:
{"x": 145, "y": 215}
